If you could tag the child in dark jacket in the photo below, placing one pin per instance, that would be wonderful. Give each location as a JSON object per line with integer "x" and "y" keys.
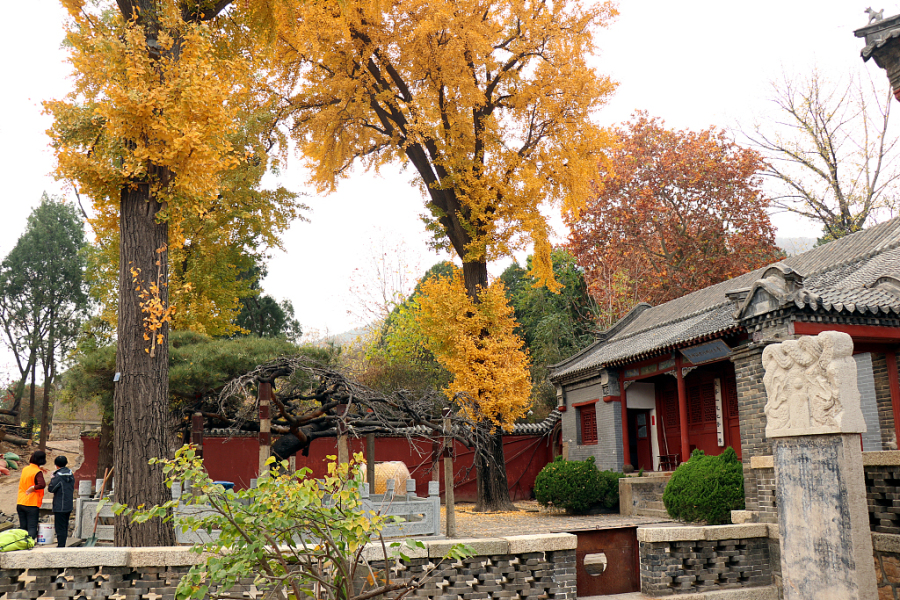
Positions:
{"x": 62, "y": 486}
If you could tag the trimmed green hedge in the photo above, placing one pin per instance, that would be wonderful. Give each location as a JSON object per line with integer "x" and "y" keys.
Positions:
{"x": 706, "y": 488}
{"x": 576, "y": 486}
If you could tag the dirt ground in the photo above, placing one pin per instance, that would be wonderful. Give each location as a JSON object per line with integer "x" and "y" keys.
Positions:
{"x": 9, "y": 485}
{"x": 531, "y": 519}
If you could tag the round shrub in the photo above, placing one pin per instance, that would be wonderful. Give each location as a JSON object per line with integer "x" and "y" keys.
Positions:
{"x": 706, "y": 488}
{"x": 576, "y": 485}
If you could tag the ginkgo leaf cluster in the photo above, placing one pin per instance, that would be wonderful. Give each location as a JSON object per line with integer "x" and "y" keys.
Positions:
{"x": 183, "y": 116}
{"x": 490, "y": 101}
{"x": 478, "y": 345}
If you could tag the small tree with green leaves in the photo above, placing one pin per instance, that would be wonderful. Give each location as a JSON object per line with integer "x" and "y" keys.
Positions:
{"x": 298, "y": 536}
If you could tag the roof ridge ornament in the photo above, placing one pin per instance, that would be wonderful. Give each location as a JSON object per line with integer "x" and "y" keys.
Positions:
{"x": 874, "y": 16}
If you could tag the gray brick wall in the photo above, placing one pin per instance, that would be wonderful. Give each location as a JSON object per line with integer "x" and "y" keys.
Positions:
{"x": 689, "y": 567}
{"x": 607, "y": 452}
{"x": 883, "y": 400}
{"x": 767, "y": 501}
{"x": 865, "y": 383}
{"x": 751, "y": 393}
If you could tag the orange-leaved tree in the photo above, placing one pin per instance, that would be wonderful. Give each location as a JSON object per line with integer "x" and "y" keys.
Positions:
{"x": 673, "y": 212}
{"x": 167, "y": 133}
{"x": 490, "y": 102}
{"x": 477, "y": 343}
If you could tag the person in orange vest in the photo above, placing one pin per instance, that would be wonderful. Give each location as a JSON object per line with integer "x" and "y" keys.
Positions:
{"x": 31, "y": 493}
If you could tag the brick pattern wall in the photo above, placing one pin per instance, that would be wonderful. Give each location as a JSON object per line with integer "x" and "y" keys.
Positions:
{"x": 751, "y": 394}
{"x": 608, "y": 450}
{"x": 883, "y": 494}
{"x": 767, "y": 503}
{"x": 669, "y": 568}
{"x": 883, "y": 400}
{"x": 549, "y": 575}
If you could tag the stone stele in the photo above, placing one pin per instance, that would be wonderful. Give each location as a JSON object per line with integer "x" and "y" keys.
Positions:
{"x": 811, "y": 387}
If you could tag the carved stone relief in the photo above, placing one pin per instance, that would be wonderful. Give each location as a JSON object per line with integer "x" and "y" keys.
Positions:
{"x": 811, "y": 386}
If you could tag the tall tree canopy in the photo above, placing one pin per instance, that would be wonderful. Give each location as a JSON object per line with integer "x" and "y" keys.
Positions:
{"x": 831, "y": 150}
{"x": 43, "y": 295}
{"x": 167, "y": 133}
{"x": 673, "y": 212}
{"x": 490, "y": 101}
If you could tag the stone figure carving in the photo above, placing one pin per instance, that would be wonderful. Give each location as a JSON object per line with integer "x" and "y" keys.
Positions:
{"x": 874, "y": 16}
{"x": 811, "y": 386}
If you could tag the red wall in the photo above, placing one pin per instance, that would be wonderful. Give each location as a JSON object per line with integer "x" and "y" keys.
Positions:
{"x": 235, "y": 459}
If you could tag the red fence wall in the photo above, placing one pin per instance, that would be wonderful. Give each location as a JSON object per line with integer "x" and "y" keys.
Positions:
{"x": 235, "y": 459}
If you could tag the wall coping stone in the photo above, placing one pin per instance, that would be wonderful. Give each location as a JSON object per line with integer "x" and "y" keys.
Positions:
{"x": 546, "y": 542}
{"x": 701, "y": 533}
{"x": 881, "y": 458}
{"x": 170, "y": 556}
{"x": 480, "y": 546}
{"x": 886, "y": 542}
{"x": 43, "y": 558}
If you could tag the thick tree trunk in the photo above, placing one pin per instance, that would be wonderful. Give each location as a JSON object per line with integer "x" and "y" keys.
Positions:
{"x": 490, "y": 471}
{"x": 105, "y": 455}
{"x": 141, "y": 395}
{"x": 490, "y": 462}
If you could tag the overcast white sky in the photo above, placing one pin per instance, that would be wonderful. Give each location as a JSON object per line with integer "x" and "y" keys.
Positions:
{"x": 692, "y": 63}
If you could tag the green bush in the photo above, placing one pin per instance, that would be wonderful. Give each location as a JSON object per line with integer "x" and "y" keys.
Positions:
{"x": 706, "y": 488}
{"x": 576, "y": 485}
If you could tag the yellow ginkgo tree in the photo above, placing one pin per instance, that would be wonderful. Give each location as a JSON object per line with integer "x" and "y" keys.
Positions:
{"x": 477, "y": 343}
{"x": 167, "y": 133}
{"x": 490, "y": 103}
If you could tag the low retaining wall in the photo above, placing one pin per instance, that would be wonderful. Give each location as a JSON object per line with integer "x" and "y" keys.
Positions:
{"x": 690, "y": 560}
{"x": 523, "y": 566}
{"x": 643, "y": 495}
{"x": 887, "y": 565}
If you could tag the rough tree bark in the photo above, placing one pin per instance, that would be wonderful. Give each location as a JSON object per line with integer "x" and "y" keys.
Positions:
{"x": 105, "y": 454}
{"x": 141, "y": 395}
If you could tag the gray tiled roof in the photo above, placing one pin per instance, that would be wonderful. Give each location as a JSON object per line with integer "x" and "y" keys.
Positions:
{"x": 836, "y": 276}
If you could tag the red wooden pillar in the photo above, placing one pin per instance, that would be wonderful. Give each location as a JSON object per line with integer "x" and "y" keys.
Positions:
{"x": 682, "y": 411}
{"x": 265, "y": 424}
{"x": 894, "y": 381}
{"x": 197, "y": 433}
{"x": 626, "y": 446}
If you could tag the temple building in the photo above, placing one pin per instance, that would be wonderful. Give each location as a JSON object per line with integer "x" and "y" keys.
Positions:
{"x": 666, "y": 380}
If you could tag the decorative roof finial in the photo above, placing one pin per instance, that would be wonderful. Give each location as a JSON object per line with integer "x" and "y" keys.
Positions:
{"x": 874, "y": 16}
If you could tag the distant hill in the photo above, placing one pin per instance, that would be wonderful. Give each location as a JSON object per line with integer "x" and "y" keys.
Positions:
{"x": 795, "y": 245}
{"x": 339, "y": 339}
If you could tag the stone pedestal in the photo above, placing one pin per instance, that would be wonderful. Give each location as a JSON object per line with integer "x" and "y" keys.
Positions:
{"x": 826, "y": 545}
{"x": 813, "y": 418}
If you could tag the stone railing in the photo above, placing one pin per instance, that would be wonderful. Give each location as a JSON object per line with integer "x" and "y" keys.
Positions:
{"x": 421, "y": 515}
{"x": 515, "y": 566}
{"x": 690, "y": 560}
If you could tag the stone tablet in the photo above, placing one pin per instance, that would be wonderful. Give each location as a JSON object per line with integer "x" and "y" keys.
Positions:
{"x": 811, "y": 387}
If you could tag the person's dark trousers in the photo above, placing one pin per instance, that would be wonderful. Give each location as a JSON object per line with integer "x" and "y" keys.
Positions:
{"x": 61, "y": 524}
{"x": 28, "y": 519}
